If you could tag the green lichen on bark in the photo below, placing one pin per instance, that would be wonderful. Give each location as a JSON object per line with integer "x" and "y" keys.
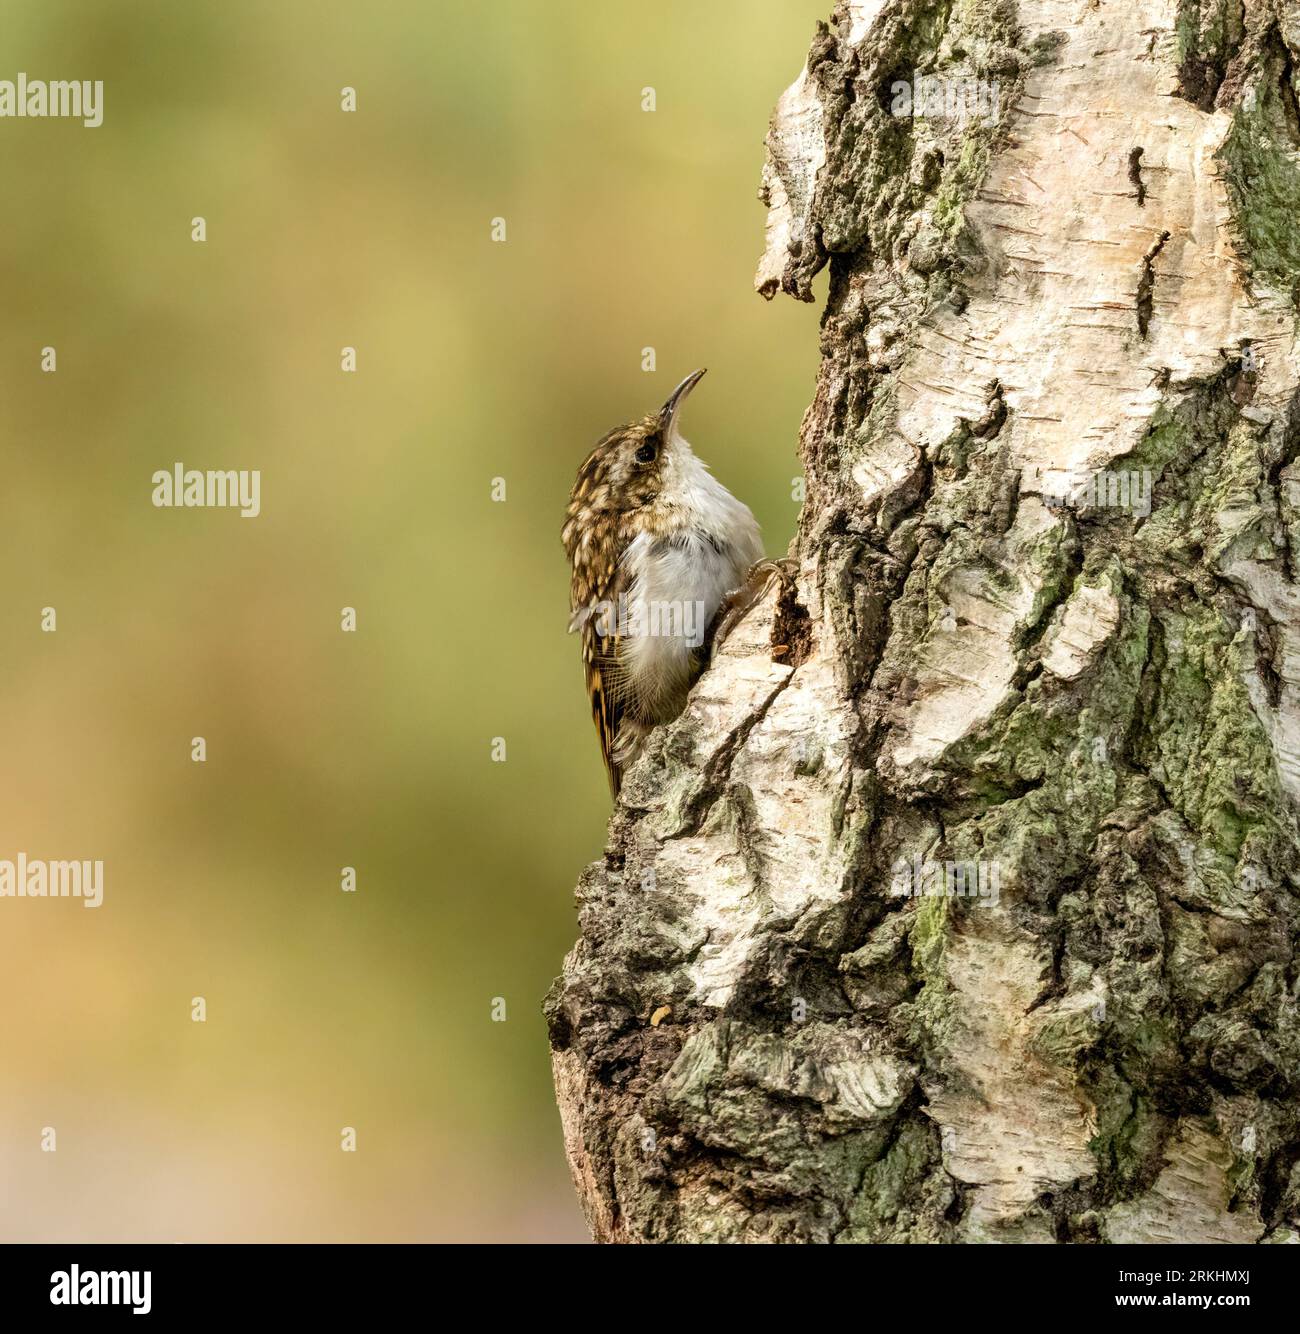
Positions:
{"x": 1208, "y": 33}
{"x": 929, "y": 1016}
{"x": 1261, "y": 160}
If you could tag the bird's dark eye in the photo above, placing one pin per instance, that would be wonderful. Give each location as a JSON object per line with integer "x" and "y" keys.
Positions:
{"x": 648, "y": 452}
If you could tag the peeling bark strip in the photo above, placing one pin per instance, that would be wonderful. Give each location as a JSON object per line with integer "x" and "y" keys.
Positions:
{"x": 762, "y": 1034}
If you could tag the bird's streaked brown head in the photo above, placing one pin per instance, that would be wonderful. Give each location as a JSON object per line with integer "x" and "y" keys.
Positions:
{"x": 624, "y": 473}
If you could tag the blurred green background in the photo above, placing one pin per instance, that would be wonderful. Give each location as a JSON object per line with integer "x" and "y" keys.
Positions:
{"x": 476, "y": 360}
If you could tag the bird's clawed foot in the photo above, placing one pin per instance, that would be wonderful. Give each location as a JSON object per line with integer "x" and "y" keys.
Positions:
{"x": 737, "y": 604}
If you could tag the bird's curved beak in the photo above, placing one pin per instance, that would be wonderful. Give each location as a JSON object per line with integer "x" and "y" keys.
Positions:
{"x": 668, "y": 413}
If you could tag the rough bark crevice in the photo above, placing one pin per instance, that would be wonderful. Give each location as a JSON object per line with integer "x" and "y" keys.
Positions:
{"x": 1042, "y": 648}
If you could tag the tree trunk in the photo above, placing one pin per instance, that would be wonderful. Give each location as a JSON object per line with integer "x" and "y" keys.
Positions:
{"x": 961, "y": 903}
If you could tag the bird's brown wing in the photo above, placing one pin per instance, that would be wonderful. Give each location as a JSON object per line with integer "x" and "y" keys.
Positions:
{"x": 601, "y": 665}
{"x": 595, "y": 598}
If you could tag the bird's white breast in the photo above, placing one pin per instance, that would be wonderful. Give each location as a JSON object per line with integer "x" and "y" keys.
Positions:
{"x": 678, "y": 578}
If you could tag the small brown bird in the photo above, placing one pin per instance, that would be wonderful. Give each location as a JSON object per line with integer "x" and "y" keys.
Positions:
{"x": 657, "y": 545}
